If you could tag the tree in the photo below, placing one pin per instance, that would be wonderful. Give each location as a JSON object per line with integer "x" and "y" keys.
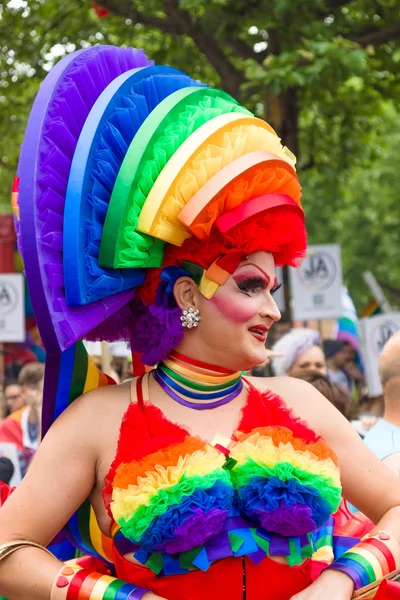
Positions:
{"x": 323, "y": 73}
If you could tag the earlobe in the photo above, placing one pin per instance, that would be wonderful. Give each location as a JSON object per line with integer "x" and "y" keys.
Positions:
{"x": 186, "y": 293}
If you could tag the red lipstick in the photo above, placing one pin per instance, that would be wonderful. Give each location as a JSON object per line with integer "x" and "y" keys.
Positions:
{"x": 260, "y": 332}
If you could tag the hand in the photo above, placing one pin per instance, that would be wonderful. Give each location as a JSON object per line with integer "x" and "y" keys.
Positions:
{"x": 330, "y": 585}
{"x": 151, "y": 596}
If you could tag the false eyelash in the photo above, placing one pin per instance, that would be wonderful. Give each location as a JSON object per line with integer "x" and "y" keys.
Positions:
{"x": 251, "y": 284}
{"x": 275, "y": 289}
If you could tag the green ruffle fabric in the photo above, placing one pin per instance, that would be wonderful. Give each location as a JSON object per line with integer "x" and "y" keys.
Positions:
{"x": 162, "y": 133}
{"x": 285, "y": 471}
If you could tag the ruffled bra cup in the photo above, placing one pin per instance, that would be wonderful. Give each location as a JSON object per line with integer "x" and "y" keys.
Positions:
{"x": 170, "y": 492}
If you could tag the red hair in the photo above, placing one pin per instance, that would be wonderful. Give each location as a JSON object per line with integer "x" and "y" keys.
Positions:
{"x": 280, "y": 231}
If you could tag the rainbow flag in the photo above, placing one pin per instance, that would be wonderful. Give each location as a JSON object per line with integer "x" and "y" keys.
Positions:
{"x": 68, "y": 375}
{"x": 347, "y": 326}
{"x": 373, "y": 308}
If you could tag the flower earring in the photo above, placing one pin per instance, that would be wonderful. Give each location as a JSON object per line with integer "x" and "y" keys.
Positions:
{"x": 190, "y": 318}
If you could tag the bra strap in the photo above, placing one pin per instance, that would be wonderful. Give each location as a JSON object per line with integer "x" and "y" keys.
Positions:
{"x": 248, "y": 385}
{"x": 140, "y": 390}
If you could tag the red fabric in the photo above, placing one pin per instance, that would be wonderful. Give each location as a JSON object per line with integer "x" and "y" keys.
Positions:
{"x": 100, "y": 11}
{"x": 280, "y": 231}
{"x": 5, "y": 492}
{"x": 271, "y": 409}
{"x": 391, "y": 563}
{"x": 11, "y": 432}
{"x": 15, "y": 353}
{"x": 388, "y": 590}
{"x": 348, "y": 524}
{"x": 198, "y": 363}
{"x": 268, "y": 580}
{"x": 150, "y": 430}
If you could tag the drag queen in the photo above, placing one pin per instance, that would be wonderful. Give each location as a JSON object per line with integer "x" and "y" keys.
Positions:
{"x": 152, "y": 208}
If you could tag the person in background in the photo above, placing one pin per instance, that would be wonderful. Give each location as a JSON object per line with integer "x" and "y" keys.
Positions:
{"x": 335, "y": 394}
{"x": 298, "y": 352}
{"x": 13, "y": 396}
{"x": 6, "y": 470}
{"x": 384, "y": 437}
{"x": 22, "y": 428}
{"x": 337, "y": 357}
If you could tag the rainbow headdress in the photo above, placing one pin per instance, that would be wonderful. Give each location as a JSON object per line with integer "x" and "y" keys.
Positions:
{"x": 132, "y": 175}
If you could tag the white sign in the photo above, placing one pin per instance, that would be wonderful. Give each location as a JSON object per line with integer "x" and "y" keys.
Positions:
{"x": 279, "y": 296}
{"x": 12, "y": 312}
{"x": 375, "y": 332}
{"x": 316, "y": 284}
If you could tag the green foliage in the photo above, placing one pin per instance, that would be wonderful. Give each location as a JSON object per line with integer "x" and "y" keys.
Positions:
{"x": 324, "y": 72}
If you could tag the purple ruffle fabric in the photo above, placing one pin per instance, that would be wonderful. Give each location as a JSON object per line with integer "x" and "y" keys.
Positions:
{"x": 196, "y": 530}
{"x": 156, "y": 331}
{"x": 288, "y": 521}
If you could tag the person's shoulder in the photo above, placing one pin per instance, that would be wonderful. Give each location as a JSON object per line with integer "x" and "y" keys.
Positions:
{"x": 98, "y": 407}
{"x": 94, "y": 418}
{"x": 305, "y": 400}
{"x": 289, "y": 388}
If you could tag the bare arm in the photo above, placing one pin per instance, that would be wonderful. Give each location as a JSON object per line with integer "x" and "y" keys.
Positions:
{"x": 61, "y": 476}
{"x": 367, "y": 483}
{"x": 393, "y": 462}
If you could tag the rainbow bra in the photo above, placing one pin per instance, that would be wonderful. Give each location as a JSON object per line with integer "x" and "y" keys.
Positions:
{"x": 179, "y": 502}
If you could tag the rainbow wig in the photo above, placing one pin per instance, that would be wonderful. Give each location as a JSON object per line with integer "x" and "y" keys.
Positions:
{"x": 132, "y": 175}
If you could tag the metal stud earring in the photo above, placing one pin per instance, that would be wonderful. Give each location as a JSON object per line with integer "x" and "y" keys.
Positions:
{"x": 190, "y": 318}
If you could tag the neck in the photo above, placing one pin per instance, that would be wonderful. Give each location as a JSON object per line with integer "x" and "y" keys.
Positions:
{"x": 197, "y": 384}
{"x": 392, "y": 414}
{"x": 391, "y": 395}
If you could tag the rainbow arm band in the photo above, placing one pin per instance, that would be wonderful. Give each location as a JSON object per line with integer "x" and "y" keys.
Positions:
{"x": 375, "y": 557}
{"x": 76, "y": 583}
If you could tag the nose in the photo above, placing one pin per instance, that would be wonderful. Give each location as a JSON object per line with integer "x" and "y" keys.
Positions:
{"x": 270, "y": 309}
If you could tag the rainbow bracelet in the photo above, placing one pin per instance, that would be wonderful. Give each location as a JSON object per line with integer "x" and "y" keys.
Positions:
{"x": 75, "y": 583}
{"x": 371, "y": 560}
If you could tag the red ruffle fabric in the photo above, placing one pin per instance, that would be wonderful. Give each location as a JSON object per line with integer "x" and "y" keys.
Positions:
{"x": 280, "y": 231}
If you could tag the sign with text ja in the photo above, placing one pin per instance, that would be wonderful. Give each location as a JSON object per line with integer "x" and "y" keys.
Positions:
{"x": 375, "y": 332}
{"x": 316, "y": 284}
{"x": 12, "y": 313}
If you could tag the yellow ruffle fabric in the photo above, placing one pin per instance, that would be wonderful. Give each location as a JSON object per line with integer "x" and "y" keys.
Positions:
{"x": 201, "y": 463}
{"x": 222, "y": 148}
{"x": 262, "y": 449}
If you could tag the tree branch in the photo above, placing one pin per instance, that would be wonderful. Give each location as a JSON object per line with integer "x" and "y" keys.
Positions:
{"x": 231, "y": 78}
{"x": 245, "y": 51}
{"x": 306, "y": 167}
{"x": 377, "y": 36}
{"x": 127, "y": 10}
{"x": 331, "y": 6}
{"x": 179, "y": 22}
{"x": 334, "y": 4}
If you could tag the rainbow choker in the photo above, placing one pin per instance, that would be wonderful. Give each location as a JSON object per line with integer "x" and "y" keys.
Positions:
{"x": 196, "y": 384}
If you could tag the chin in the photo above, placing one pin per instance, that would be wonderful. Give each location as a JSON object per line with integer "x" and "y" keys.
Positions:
{"x": 253, "y": 358}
